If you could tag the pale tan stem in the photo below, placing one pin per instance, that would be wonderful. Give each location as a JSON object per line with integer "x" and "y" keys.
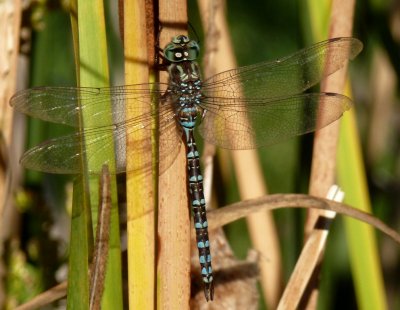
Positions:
{"x": 246, "y": 163}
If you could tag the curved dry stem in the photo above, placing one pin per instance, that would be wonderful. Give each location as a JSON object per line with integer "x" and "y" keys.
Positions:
{"x": 57, "y": 292}
{"x": 233, "y": 212}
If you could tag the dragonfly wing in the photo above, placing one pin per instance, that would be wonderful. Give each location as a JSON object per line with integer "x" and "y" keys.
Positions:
{"x": 170, "y": 143}
{"x": 64, "y": 155}
{"x": 64, "y": 105}
{"x": 238, "y": 124}
{"x": 287, "y": 76}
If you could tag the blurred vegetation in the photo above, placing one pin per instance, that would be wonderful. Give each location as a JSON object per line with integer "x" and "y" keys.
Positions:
{"x": 260, "y": 30}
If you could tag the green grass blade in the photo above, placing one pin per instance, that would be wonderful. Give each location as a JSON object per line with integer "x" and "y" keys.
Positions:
{"x": 78, "y": 276}
{"x": 92, "y": 69}
{"x": 364, "y": 258}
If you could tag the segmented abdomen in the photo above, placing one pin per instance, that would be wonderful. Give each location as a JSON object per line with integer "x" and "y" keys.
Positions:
{"x": 195, "y": 183}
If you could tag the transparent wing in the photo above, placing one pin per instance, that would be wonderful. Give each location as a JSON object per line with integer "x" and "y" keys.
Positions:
{"x": 64, "y": 155}
{"x": 287, "y": 76}
{"x": 247, "y": 124}
{"x": 64, "y": 105}
{"x": 229, "y": 121}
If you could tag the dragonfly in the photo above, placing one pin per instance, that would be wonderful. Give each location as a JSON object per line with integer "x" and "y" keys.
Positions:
{"x": 243, "y": 108}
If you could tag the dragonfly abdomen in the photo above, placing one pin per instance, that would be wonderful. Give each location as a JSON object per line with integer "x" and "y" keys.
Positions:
{"x": 195, "y": 184}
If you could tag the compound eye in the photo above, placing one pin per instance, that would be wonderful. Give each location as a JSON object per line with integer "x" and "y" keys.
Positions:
{"x": 193, "y": 53}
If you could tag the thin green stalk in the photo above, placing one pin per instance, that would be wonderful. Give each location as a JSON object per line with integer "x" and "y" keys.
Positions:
{"x": 78, "y": 276}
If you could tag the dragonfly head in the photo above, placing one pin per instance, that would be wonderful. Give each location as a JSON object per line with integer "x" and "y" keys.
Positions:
{"x": 181, "y": 48}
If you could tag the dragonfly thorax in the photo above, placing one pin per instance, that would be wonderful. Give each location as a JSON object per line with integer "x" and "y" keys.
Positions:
{"x": 185, "y": 91}
{"x": 186, "y": 98}
{"x": 184, "y": 80}
{"x": 185, "y": 71}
